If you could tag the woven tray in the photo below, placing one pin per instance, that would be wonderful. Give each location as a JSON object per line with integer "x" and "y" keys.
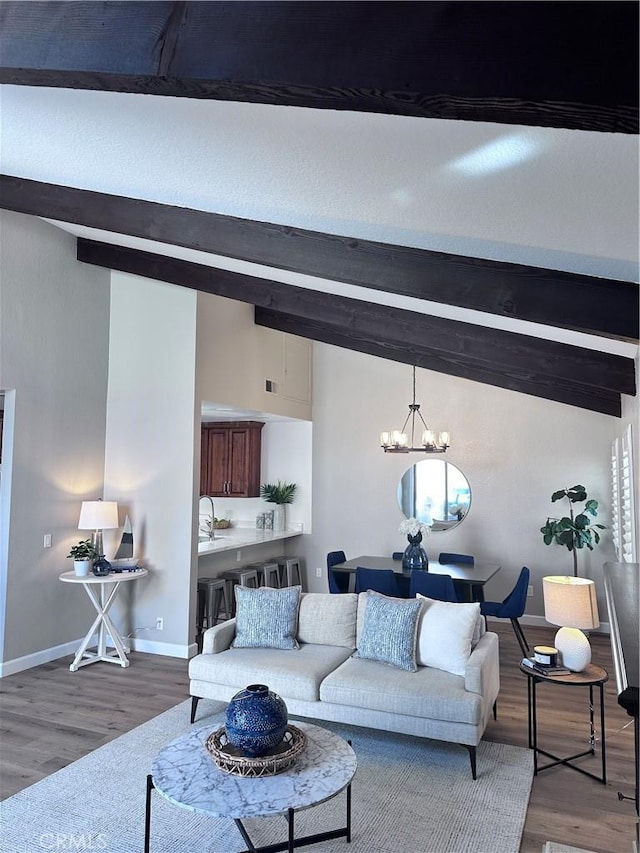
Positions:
{"x": 231, "y": 760}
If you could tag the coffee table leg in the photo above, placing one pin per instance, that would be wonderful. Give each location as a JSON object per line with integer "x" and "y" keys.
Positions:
{"x": 245, "y": 835}
{"x": 290, "y": 814}
{"x": 147, "y": 814}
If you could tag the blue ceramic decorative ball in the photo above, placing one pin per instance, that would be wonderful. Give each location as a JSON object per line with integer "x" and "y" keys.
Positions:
{"x": 256, "y": 720}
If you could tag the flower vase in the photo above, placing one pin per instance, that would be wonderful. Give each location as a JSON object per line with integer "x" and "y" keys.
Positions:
{"x": 256, "y": 720}
{"x": 415, "y": 557}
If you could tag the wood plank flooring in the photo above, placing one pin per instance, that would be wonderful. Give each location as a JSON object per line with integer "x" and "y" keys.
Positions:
{"x": 50, "y": 717}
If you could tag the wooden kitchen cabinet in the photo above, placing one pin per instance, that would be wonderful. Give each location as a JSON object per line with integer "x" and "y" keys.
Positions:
{"x": 230, "y": 459}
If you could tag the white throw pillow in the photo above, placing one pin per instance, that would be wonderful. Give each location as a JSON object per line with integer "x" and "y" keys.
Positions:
{"x": 445, "y": 631}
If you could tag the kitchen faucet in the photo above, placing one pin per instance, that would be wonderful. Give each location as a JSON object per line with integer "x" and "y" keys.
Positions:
{"x": 211, "y": 528}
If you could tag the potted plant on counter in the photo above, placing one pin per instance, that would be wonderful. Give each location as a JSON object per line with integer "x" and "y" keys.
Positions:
{"x": 83, "y": 555}
{"x": 279, "y": 494}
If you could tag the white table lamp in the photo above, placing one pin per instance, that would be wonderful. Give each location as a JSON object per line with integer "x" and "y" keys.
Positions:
{"x": 571, "y": 603}
{"x": 98, "y": 516}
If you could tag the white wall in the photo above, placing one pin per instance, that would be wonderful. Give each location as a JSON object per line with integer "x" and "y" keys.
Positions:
{"x": 152, "y": 419}
{"x": 54, "y": 347}
{"x": 515, "y": 450}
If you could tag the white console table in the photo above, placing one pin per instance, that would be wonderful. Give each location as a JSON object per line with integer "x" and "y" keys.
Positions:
{"x": 102, "y": 598}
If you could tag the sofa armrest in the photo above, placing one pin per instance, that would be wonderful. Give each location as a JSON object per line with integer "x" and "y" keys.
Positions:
{"x": 483, "y": 667}
{"x": 218, "y": 638}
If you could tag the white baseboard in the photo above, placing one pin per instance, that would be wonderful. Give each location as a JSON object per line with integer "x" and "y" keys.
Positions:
{"x": 178, "y": 650}
{"x": 541, "y": 622}
{"x": 172, "y": 650}
{"x": 10, "y": 667}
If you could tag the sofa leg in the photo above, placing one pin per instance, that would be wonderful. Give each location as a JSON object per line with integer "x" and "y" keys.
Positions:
{"x": 194, "y": 705}
{"x": 495, "y": 710}
{"x": 472, "y": 758}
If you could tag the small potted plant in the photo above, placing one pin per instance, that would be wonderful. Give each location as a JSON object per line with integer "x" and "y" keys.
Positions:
{"x": 279, "y": 494}
{"x": 83, "y": 555}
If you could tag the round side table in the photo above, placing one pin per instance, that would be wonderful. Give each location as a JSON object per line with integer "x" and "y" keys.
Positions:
{"x": 592, "y": 676}
{"x": 102, "y": 600}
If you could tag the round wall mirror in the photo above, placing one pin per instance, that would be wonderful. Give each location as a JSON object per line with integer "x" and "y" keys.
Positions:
{"x": 436, "y": 493}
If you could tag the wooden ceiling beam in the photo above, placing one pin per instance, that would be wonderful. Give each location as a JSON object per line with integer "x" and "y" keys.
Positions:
{"x": 570, "y": 65}
{"x": 534, "y": 382}
{"x": 558, "y": 371}
{"x": 553, "y": 298}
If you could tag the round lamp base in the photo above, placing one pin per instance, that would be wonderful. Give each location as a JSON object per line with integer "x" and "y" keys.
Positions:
{"x": 574, "y": 648}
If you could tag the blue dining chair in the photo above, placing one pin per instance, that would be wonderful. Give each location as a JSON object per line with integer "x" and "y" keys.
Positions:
{"x": 379, "y": 580}
{"x": 433, "y": 586}
{"x": 338, "y": 581}
{"x": 477, "y": 593}
{"x": 511, "y": 608}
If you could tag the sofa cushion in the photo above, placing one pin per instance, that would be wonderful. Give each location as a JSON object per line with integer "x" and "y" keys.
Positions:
{"x": 328, "y": 620}
{"x": 445, "y": 633}
{"x": 294, "y": 676}
{"x": 266, "y": 618}
{"x": 430, "y": 693}
{"x": 389, "y": 630}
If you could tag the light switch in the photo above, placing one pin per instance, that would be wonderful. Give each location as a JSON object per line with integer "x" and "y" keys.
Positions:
{"x": 47, "y": 540}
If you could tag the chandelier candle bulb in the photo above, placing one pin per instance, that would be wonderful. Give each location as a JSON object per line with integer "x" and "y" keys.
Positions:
{"x": 428, "y": 438}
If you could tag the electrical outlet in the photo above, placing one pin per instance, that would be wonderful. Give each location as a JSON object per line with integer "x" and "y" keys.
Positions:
{"x": 318, "y": 572}
{"x": 159, "y": 624}
{"x": 47, "y": 541}
{"x": 530, "y": 590}
{"x": 238, "y": 556}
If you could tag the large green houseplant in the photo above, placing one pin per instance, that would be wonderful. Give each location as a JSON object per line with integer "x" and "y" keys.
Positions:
{"x": 573, "y": 531}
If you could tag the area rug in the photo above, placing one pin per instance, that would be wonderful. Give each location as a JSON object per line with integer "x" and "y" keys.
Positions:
{"x": 409, "y": 796}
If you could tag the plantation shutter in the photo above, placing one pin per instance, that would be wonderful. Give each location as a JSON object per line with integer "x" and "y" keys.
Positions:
{"x": 622, "y": 499}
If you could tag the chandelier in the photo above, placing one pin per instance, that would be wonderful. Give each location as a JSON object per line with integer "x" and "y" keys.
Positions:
{"x": 404, "y": 441}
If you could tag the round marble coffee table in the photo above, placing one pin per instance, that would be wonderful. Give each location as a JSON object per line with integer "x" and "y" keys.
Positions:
{"x": 186, "y": 775}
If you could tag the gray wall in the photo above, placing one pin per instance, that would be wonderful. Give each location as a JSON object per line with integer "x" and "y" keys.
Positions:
{"x": 54, "y": 346}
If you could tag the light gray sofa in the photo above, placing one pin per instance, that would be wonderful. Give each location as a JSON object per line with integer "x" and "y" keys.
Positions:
{"x": 323, "y": 680}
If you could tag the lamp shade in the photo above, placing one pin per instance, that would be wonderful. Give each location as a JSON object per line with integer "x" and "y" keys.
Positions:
{"x": 98, "y": 515}
{"x": 570, "y": 602}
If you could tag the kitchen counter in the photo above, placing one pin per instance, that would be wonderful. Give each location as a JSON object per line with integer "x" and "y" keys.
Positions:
{"x": 243, "y": 537}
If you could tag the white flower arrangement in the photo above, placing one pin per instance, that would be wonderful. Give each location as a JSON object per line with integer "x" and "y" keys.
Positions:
{"x": 411, "y": 527}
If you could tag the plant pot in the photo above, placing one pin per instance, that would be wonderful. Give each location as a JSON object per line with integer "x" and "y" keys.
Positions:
{"x": 279, "y": 518}
{"x": 82, "y": 567}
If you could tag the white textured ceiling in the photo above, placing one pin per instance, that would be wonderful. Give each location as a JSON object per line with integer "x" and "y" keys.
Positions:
{"x": 545, "y": 197}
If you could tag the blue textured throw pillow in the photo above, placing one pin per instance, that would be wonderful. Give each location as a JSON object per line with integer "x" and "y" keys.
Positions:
{"x": 266, "y": 618}
{"x": 389, "y": 630}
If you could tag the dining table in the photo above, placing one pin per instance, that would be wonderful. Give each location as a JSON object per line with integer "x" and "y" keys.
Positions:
{"x": 468, "y": 574}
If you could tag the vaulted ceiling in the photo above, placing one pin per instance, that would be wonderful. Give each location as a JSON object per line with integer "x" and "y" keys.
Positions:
{"x": 451, "y": 185}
